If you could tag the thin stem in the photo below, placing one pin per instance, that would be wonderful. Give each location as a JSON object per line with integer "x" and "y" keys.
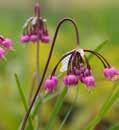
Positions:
{"x": 32, "y": 87}
{"x": 37, "y": 58}
{"x": 37, "y": 9}
{"x": 54, "y": 69}
{"x": 102, "y": 59}
{"x": 87, "y": 63}
{"x": 69, "y": 64}
{"x": 47, "y": 64}
{"x": 36, "y": 73}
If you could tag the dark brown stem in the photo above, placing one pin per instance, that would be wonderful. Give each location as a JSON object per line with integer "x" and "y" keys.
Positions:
{"x": 102, "y": 59}
{"x": 87, "y": 63}
{"x": 47, "y": 64}
{"x": 37, "y": 10}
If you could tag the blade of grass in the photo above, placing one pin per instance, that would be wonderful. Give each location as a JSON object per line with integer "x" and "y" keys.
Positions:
{"x": 23, "y": 100}
{"x": 40, "y": 101}
{"x": 115, "y": 127}
{"x": 70, "y": 109}
{"x": 56, "y": 109}
{"x": 105, "y": 108}
{"x": 98, "y": 48}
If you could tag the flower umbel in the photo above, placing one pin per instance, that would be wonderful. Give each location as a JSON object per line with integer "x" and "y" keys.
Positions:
{"x": 35, "y": 28}
{"x": 78, "y": 68}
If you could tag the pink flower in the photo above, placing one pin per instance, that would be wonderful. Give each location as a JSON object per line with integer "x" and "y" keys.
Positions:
{"x": 70, "y": 80}
{"x": 89, "y": 81}
{"x": 51, "y": 84}
{"x": 34, "y": 38}
{"x": 2, "y": 53}
{"x": 25, "y": 38}
{"x": 111, "y": 73}
{"x": 45, "y": 38}
{"x": 7, "y": 43}
{"x": 55, "y": 80}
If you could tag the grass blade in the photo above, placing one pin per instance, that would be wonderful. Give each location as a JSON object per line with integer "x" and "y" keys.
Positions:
{"x": 106, "y": 106}
{"x": 69, "y": 111}
{"x": 56, "y": 109}
{"x": 45, "y": 99}
{"x": 66, "y": 117}
{"x": 23, "y": 99}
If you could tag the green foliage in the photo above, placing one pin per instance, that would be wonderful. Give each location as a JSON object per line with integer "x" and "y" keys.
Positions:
{"x": 114, "y": 94}
{"x": 56, "y": 109}
{"x": 70, "y": 109}
{"x": 23, "y": 99}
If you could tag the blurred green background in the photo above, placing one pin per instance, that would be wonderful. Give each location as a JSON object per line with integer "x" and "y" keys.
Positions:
{"x": 97, "y": 21}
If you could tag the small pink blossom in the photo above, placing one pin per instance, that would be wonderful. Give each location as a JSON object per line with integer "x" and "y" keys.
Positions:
{"x": 51, "y": 84}
{"x": 89, "y": 81}
{"x": 2, "y": 53}
{"x": 111, "y": 73}
{"x": 25, "y": 38}
{"x": 70, "y": 80}
{"x": 7, "y": 43}
{"x": 45, "y": 38}
{"x": 34, "y": 38}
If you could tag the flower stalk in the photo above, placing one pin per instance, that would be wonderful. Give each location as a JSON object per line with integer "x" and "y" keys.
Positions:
{"x": 47, "y": 64}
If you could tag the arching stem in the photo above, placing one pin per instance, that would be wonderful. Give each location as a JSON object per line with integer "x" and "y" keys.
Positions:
{"x": 102, "y": 59}
{"x": 47, "y": 64}
{"x": 54, "y": 69}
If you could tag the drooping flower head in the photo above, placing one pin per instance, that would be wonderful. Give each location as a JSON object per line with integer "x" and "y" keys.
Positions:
{"x": 6, "y": 44}
{"x": 77, "y": 68}
{"x": 35, "y": 28}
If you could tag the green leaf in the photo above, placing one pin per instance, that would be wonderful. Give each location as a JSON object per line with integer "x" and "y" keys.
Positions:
{"x": 114, "y": 94}
{"x": 23, "y": 100}
{"x": 98, "y": 48}
{"x": 115, "y": 127}
{"x": 40, "y": 101}
{"x": 56, "y": 109}
{"x": 66, "y": 117}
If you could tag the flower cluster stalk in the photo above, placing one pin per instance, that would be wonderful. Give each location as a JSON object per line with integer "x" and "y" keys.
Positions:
{"x": 47, "y": 64}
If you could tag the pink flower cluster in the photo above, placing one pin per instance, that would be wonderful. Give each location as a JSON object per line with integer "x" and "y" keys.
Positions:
{"x": 5, "y": 45}
{"x": 78, "y": 71}
{"x": 35, "y": 29}
{"x": 36, "y": 36}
